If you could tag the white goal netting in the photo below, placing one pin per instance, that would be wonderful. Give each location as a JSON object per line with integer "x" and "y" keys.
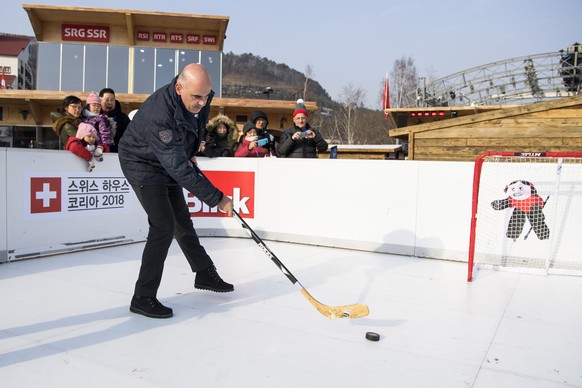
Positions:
{"x": 527, "y": 213}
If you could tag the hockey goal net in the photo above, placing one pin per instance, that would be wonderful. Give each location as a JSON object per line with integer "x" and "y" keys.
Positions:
{"x": 527, "y": 213}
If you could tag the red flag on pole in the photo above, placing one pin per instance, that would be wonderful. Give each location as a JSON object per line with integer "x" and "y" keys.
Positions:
{"x": 3, "y": 82}
{"x": 386, "y": 96}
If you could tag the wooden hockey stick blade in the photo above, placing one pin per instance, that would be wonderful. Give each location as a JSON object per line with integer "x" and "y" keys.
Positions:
{"x": 348, "y": 311}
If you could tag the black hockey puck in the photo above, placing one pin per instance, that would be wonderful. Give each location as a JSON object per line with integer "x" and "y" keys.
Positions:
{"x": 371, "y": 336}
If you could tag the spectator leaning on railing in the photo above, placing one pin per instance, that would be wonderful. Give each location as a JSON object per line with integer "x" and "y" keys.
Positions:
{"x": 219, "y": 137}
{"x": 66, "y": 121}
{"x": 250, "y": 143}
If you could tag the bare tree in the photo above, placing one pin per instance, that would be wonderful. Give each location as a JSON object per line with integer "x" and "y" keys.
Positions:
{"x": 347, "y": 117}
{"x": 373, "y": 128}
{"x": 308, "y": 75}
{"x": 403, "y": 83}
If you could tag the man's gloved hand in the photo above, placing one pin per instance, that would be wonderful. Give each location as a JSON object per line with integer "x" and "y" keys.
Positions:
{"x": 91, "y": 165}
{"x": 98, "y": 154}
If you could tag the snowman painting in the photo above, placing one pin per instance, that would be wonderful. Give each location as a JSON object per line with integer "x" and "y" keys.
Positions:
{"x": 526, "y": 204}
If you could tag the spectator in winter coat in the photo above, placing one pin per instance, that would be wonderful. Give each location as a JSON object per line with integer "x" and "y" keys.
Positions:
{"x": 261, "y": 122}
{"x": 112, "y": 109}
{"x": 157, "y": 156}
{"x": 301, "y": 140}
{"x": 219, "y": 138}
{"x": 92, "y": 115}
{"x": 66, "y": 122}
{"x": 249, "y": 146}
{"x": 83, "y": 145}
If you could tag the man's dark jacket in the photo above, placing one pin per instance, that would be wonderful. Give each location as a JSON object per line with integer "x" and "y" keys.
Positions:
{"x": 302, "y": 148}
{"x": 119, "y": 124}
{"x": 160, "y": 140}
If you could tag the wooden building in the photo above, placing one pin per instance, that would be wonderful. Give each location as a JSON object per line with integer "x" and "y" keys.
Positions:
{"x": 462, "y": 133}
{"x": 33, "y": 107}
{"x": 25, "y": 114}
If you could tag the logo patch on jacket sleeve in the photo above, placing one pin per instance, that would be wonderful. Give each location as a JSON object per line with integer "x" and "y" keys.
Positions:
{"x": 166, "y": 135}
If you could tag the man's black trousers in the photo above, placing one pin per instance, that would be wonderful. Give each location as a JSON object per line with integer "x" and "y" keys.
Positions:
{"x": 168, "y": 217}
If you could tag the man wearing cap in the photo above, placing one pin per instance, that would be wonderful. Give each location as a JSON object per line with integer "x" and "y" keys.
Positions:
{"x": 301, "y": 140}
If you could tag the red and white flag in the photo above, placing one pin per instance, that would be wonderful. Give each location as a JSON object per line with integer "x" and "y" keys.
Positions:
{"x": 386, "y": 96}
{"x": 3, "y": 82}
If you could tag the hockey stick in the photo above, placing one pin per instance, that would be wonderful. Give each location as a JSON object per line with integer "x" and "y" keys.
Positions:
{"x": 347, "y": 311}
{"x": 531, "y": 226}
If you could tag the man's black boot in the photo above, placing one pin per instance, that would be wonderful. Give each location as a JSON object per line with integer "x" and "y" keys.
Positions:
{"x": 150, "y": 307}
{"x": 209, "y": 279}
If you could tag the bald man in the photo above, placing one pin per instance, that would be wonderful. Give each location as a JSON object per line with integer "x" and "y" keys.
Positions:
{"x": 157, "y": 156}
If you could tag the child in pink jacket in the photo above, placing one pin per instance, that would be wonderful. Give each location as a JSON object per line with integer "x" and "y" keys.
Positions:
{"x": 249, "y": 144}
{"x": 84, "y": 145}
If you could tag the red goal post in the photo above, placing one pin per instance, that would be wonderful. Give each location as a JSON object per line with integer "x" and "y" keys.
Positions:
{"x": 527, "y": 212}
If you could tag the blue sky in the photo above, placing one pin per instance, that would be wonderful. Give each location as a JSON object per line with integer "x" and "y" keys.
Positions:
{"x": 351, "y": 42}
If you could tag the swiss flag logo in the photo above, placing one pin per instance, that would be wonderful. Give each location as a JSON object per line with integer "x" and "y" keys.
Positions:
{"x": 45, "y": 195}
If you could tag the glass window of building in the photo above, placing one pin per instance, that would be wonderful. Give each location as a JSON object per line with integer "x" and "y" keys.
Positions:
{"x": 24, "y": 137}
{"x": 143, "y": 70}
{"x": 49, "y": 65}
{"x": 118, "y": 69}
{"x": 212, "y": 60}
{"x": 72, "y": 67}
{"x": 46, "y": 138}
{"x": 186, "y": 57}
{"x": 95, "y": 68}
{"x": 5, "y": 136}
{"x": 165, "y": 66}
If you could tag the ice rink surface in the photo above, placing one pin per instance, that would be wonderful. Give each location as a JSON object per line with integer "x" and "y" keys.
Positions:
{"x": 64, "y": 322}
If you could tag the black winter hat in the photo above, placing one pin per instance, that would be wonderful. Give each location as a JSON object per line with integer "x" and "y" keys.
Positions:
{"x": 247, "y": 127}
{"x": 259, "y": 114}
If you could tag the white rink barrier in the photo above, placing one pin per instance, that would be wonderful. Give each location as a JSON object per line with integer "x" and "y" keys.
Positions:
{"x": 50, "y": 204}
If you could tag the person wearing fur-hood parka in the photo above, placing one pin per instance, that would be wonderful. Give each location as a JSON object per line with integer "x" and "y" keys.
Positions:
{"x": 219, "y": 137}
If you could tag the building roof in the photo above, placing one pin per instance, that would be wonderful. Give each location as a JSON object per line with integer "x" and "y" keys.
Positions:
{"x": 125, "y": 24}
{"x": 12, "y": 45}
{"x": 9, "y": 79}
